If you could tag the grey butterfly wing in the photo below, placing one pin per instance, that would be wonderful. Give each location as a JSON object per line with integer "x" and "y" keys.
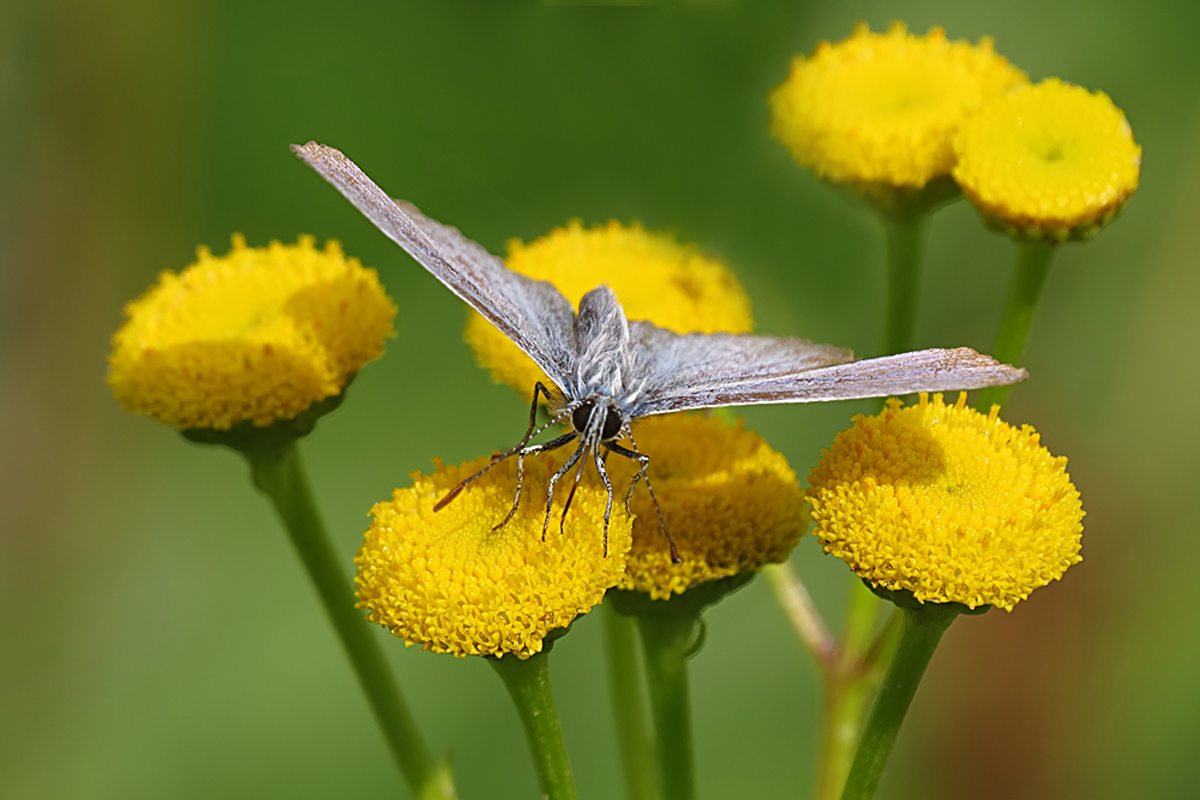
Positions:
{"x": 532, "y": 313}
{"x": 707, "y": 371}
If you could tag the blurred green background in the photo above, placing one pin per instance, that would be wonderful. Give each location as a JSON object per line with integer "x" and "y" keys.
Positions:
{"x": 157, "y": 635}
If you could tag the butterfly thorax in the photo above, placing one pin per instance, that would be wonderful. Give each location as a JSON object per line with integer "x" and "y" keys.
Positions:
{"x": 603, "y": 359}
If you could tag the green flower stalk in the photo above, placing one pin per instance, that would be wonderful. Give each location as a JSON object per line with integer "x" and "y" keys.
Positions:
{"x": 280, "y": 476}
{"x": 921, "y": 630}
{"x": 249, "y": 351}
{"x": 528, "y": 683}
{"x": 668, "y": 641}
{"x": 944, "y": 511}
{"x": 1029, "y": 277}
{"x": 672, "y": 632}
{"x": 628, "y": 706}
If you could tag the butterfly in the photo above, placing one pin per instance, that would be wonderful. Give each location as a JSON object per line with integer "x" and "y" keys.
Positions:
{"x": 609, "y": 371}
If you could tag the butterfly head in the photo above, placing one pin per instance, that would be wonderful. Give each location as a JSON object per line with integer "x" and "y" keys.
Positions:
{"x": 601, "y": 412}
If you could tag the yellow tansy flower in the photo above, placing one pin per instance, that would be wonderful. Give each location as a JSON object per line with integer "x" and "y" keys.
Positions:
{"x": 447, "y": 581}
{"x": 947, "y": 503}
{"x": 654, "y": 277}
{"x": 731, "y": 503}
{"x": 259, "y": 334}
{"x": 1049, "y": 162}
{"x": 883, "y": 108}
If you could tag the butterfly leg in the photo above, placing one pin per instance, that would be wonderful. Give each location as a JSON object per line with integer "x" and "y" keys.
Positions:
{"x": 538, "y": 387}
{"x": 562, "y": 521}
{"x": 532, "y": 450}
{"x": 643, "y": 462}
{"x": 637, "y": 476}
{"x": 607, "y": 485}
{"x": 556, "y": 477}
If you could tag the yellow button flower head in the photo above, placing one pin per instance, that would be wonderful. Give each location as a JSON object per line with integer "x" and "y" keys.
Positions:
{"x": 947, "y": 503}
{"x": 259, "y": 334}
{"x": 655, "y": 278}
{"x": 883, "y": 108}
{"x": 1049, "y": 162}
{"x": 450, "y": 583}
{"x": 732, "y": 503}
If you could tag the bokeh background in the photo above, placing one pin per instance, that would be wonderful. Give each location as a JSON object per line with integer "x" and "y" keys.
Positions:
{"x": 157, "y": 636}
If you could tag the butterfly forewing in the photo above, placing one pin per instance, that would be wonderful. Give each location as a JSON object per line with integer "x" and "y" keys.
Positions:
{"x": 759, "y": 373}
{"x": 532, "y": 313}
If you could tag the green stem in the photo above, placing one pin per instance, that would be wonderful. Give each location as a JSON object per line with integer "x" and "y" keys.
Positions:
{"x": 669, "y": 640}
{"x": 528, "y": 683}
{"x": 905, "y": 237}
{"x": 922, "y": 629}
{"x": 628, "y": 705}
{"x": 1029, "y": 276}
{"x": 847, "y": 692}
{"x": 280, "y": 475}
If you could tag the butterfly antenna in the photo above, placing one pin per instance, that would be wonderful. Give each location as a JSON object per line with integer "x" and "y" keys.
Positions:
{"x": 608, "y": 506}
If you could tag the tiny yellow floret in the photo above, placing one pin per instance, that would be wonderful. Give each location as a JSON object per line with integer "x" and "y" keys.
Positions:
{"x": 1049, "y": 162}
{"x": 448, "y": 582}
{"x": 883, "y": 108}
{"x": 258, "y": 334}
{"x": 731, "y": 503}
{"x": 654, "y": 277}
{"x": 947, "y": 503}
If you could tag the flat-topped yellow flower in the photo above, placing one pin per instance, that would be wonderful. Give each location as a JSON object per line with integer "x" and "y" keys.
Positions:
{"x": 731, "y": 503}
{"x": 1049, "y": 162}
{"x": 947, "y": 503}
{"x": 259, "y": 334}
{"x": 654, "y": 277}
{"x": 883, "y": 108}
{"x": 447, "y": 581}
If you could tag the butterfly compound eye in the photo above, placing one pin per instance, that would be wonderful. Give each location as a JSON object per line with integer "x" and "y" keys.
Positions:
{"x": 579, "y": 418}
{"x": 612, "y": 424}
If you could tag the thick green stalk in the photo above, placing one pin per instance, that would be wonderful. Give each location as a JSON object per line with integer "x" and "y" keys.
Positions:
{"x": 1029, "y": 276}
{"x": 905, "y": 237}
{"x": 668, "y": 641}
{"x": 922, "y": 629}
{"x": 528, "y": 683}
{"x": 280, "y": 475}
{"x": 628, "y": 705}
